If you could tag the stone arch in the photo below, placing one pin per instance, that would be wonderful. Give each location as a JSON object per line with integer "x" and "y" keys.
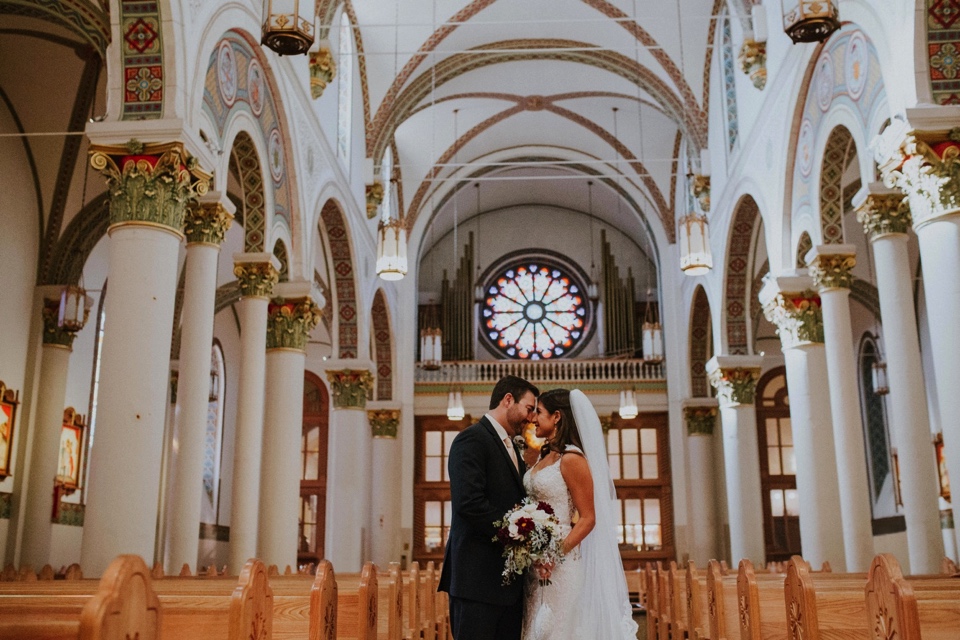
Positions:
{"x": 804, "y": 244}
{"x": 837, "y": 155}
{"x": 738, "y": 280}
{"x": 334, "y": 225}
{"x": 701, "y": 339}
{"x": 382, "y": 346}
{"x": 245, "y": 165}
{"x": 280, "y": 253}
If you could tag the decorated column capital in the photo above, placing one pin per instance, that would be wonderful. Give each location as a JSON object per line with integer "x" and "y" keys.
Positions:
{"x": 700, "y": 187}
{"x": 735, "y": 379}
{"x": 208, "y": 219}
{"x": 384, "y": 423}
{"x": 374, "y": 198}
{"x": 700, "y": 416}
{"x": 149, "y": 184}
{"x": 292, "y": 315}
{"x": 922, "y": 159}
{"x": 53, "y": 333}
{"x": 257, "y": 274}
{"x": 350, "y": 388}
{"x": 323, "y": 69}
{"x": 882, "y": 211}
{"x": 831, "y": 266}
{"x": 792, "y": 305}
{"x": 753, "y": 62}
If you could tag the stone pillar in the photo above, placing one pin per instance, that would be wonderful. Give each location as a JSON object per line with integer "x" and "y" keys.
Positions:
{"x": 150, "y": 187}
{"x": 257, "y": 273}
{"x": 348, "y": 469}
{"x": 795, "y": 309}
{"x": 291, "y": 317}
{"x": 885, "y": 216}
{"x": 735, "y": 379}
{"x": 831, "y": 266}
{"x": 206, "y": 224}
{"x": 384, "y": 498}
{"x": 700, "y": 415}
{"x": 39, "y": 503}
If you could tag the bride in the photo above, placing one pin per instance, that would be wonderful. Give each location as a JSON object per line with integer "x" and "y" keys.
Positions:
{"x": 587, "y": 597}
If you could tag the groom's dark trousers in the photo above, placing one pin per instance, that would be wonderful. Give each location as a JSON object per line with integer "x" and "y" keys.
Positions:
{"x": 484, "y": 485}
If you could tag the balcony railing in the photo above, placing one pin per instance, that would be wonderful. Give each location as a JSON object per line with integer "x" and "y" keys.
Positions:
{"x": 543, "y": 371}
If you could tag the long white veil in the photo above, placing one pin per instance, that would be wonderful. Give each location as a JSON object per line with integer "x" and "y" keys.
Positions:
{"x": 605, "y": 613}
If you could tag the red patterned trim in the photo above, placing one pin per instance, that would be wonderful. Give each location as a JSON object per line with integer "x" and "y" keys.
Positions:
{"x": 382, "y": 340}
{"x": 344, "y": 283}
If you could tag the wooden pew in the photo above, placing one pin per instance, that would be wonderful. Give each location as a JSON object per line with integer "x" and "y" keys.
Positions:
{"x": 357, "y": 611}
{"x": 910, "y": 609}
{"x": 323, "y": 604}
{"x": 827, "y": 609}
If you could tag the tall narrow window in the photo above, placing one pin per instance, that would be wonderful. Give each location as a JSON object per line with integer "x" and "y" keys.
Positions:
{"x": 213, "y": 438}
{"x": 95, "y": 382}
{"x": 386, "y": 173}
{"x": 876, "y": 435}
{"x": 728, "y": 70}
{"x": 344, "y": 90}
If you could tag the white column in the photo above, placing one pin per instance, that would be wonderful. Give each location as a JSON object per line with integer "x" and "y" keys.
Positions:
{"x": 205, "y": 227}
{"x": 257, "y": 273}
{"x": 735, "y": 378}
{"x": 791, "y": 304}
{"x": 348, "y": 469}
{"x": 38, "y": 506}
{"x": 830, "y": 266}
{"x": 700, "y": 415}
{"x": 291, "y": 317}
{"x": 385, "y": 544}
{"x": 886, "y": 220}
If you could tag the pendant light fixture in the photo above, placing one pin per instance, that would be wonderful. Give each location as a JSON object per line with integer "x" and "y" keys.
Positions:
{"x": 287, "y": 26}
{"x": 391, "y": 231}
{"x": 628, "y": 404}
{"x": 455, "y": 411}
{"x": 810, "y": 20}
{"x": 695, "y": 256}
{"x": 593, "y": 289}
{"x": 652, "y": 333}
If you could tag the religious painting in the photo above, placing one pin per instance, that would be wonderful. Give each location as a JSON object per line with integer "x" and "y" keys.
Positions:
{"x": 71, "y": 448}
{"x": 8, "y": 416}
{"x": 942, "y": 467}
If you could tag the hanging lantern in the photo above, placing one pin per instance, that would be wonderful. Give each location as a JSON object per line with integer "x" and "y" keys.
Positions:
{"x": 214, "y": 386}
{"x": 810, "y": 20}
{"x": 288, "y": 25}
{"x": 74, "y": 308}
{"x": 878, "y": 374}
{"x": 455, "y": 410}
{"x": 695, "y": 256}
{"x": 431, "y": 348}
{"x": 652, "y": 342}
{"x": 391, "y": 250}
{"x": 628, "y": 404}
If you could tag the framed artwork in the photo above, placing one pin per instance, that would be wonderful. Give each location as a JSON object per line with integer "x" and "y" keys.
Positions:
{"x": 942, "y": 467}
{"x": 71, "y": 450}
{"x": 8, "y": 418}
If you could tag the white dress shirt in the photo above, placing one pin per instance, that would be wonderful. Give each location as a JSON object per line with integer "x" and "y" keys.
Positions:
{"x": 507, "y": 441}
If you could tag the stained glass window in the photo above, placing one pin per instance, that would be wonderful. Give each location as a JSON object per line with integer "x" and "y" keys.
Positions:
{"x": 729, "y": 80}
{"x": 534, "y": 311}
{"x": 344, "y": 89}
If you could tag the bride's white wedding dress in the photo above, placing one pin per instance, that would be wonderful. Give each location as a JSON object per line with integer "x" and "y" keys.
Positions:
{"x": 587, "y": 597}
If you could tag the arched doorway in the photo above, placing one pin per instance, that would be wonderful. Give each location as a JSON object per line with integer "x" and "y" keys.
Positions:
{"x": 313, "y": 477}
{"x": 778, "y": 468}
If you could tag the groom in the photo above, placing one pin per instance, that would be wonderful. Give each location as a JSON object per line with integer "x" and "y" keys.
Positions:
{"x": 486, "y": 472}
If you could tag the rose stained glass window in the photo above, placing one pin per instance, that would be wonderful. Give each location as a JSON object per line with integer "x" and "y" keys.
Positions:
{"x": 534, "y": 311}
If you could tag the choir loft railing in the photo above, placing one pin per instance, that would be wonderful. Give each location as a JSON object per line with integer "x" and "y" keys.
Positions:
{"x": 544, "y": 371}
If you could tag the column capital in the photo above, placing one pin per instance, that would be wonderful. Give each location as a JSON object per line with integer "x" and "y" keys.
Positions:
{"x": 734, "y": 378}
{"x": 291, "y": 317}
{"x": 384, "y": 423}
{"x": 700, "y": 416}
{"x": 831, "y": 265}
{"x": 753, "y": 62}
{"x": 350, "y": 387}
{"x": 149, "y": 184}
{"x": 53, "y": 333}
{"x": 257, "y": 273}
{"x": 208, "y": 219}
{"x": 700, "y": 187}
{"x": 882, "y": 211}
{"x": 922, "y": 159}
{"x": 323, "y": 69}
{"x": 374, "y": 194}
{"x": 792, "y": 305}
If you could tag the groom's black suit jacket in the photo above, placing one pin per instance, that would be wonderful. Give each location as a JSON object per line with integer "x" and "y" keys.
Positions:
{"x": 484, "y": 485}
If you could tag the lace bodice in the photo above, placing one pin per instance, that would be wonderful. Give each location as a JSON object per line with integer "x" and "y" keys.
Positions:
{"x": 546, "y": 483}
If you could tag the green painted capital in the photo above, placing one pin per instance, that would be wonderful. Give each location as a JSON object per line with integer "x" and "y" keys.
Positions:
{"x": 374, "y": 198}
{"x": 735, "y": 386}
{"x": 700, "y": 186}
{"x": 289, "y": 322}
{"x": 207, "y": 223}
{"x": 833, "y": 271}
{"x": 883, "y": 214}
{"x": 256, "y": 279}
{"x": 323, "y": 69}
{"x": 149, "y": 184}
{"x": 700, "y": 420}
{"x": 797, "y": 316}
{"x": 350, "y": 388}
{"x": 605, "y": 423}
{"x": 753, "y": 62}
{"x": 52, "y": 332}
{"x": 384, "y": 423}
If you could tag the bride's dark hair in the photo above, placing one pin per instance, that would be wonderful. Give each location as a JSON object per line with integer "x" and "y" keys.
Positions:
{"x": 567, "y": 431}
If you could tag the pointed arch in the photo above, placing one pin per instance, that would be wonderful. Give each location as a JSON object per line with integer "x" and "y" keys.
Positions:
{"x": 701, "y": 343}
{"x": 803, "y": 247}
{"x": 837, "y": 155}
{"x": 280, "y": 253}
{"x": 737, "y": 287}
{"x": 383, "y": 346}
{"x": 245, "y": 165}
{"x": 345, "y": 288}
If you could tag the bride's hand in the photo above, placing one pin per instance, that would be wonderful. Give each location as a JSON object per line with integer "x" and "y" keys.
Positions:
{"x": 544, "y": 570}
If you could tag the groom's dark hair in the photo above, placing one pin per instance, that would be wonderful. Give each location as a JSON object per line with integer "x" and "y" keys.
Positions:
{"x": 515, "y": 386}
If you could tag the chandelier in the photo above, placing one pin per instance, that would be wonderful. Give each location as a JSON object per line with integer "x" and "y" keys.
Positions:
{"x": 391, "y": 249}
{"x": 628, "y": 404}
{"x": 288, "y": 25}
{"x": 695, "y": 256}
{"x": 810, "y": 20}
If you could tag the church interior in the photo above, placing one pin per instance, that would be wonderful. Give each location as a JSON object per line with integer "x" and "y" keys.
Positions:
{"x": 264, "y": 259}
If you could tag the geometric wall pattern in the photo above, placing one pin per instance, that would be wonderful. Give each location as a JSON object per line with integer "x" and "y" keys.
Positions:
{"x": 943, "y": 50}
{"x": 737, "y": 289}
{"x": 344, "y": 285}
{"x": 699, "y": 344}
{"x": 836, "y": 158}
{"x": 142, "y": 52}
{"x": 245, "y": 164}
{"x": 382, "y": 347}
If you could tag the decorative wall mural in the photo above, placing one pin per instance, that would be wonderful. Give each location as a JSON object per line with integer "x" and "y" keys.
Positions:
{"x": 943, "y": 50}
{"x": 142, "y": 54}
{"x": 382, "y": 341}
{"x": 344, "y": 284}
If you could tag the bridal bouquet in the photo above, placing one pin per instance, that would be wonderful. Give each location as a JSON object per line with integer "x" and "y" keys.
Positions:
{"x": 529, "y": 533}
